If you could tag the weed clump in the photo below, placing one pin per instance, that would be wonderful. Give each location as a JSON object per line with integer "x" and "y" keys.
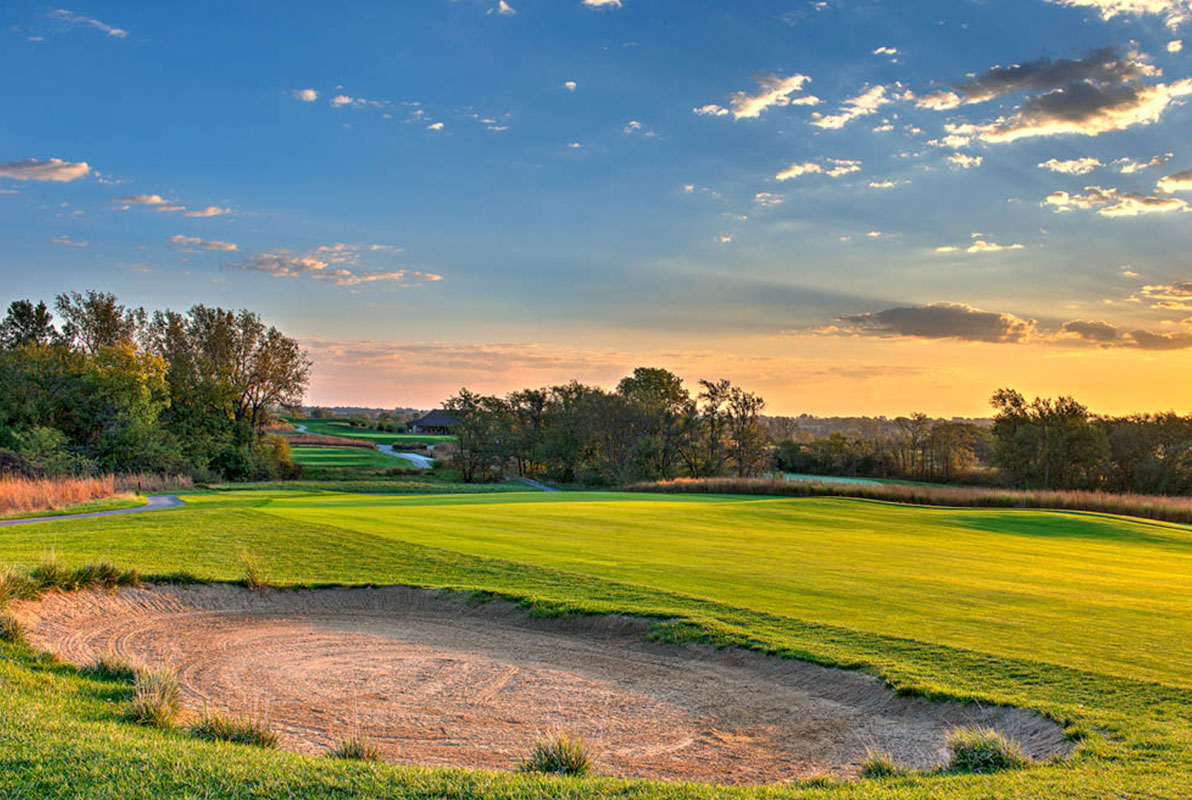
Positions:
{"x": 560, "y": 754}
{"x": 878, "y": 764}
{"x": 355, "y": 747}
{"x": 12, "y": 630}
{"x": 248, "y": 730}
{"x": 110, "y": 667}
{"x": 983, "y": 750}
{"x": 155, "y": 698}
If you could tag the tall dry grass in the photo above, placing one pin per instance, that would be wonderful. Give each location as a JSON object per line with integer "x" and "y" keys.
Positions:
{"x": 26, "y": 495}
{"x": 1168, "y": 509}
{"x": 321, "y": 440}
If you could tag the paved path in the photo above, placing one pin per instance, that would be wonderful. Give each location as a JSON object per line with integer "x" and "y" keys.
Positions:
{"x": 157, "y": 502}
{"x": 542, "y": 487}
{"x": 420, "y": 461}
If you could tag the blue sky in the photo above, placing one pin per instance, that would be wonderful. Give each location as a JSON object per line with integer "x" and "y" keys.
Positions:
{"x": 840, "y": 204}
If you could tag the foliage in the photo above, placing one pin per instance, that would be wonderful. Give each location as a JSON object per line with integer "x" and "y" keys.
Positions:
{"x": 880, "y": 765}
{"x": 559, "y": 754}
{"x": 156, "y": 698}
{"x": 982, "y": 750}
{"x": 110, "y": 667}
{"x": 355, "y": 747}
{"x": 249, "y": 730}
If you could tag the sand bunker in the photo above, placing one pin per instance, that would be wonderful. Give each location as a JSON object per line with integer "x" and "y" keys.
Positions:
{"x": 437, "y": 681}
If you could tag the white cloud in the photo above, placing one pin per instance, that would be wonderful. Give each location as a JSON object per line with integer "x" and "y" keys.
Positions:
{"x": 768, "y": 199}
{"x": 284, "y": 264}
{"x": 979, "y": 246}
{"x": 194, "y": 242}
{"x": 54, "y": 169}
{"x": 503, "y": 8}
{"x": 570, "y": 86}
{"x": 602, "y": 3}
{"x": 725, "y": 238}
{"x": 1173, "y": 12}
{"x": 882, "y": 184}
{"x": 886, "y": 51}
{"x": 1175, "y": 45}
{"x": 71, "y": 18}
{"x": 1072, "y": 166}
{"x": 868, "y": 102}
{"x": 875, "y": 234}
{"x": 209, "y": 211}
{"x": 837, "y": 167}
{"x": 1128, "y": 166}
{"x": 69, "y": 242}
{"x": 965, "y": 161}
{"x": 775, "y": 91}
{"x": 1178, "y": 182}
{"x": 305, "y": 95}
{"x": 435, "y": 126}
{"x": 159, "y": 203}
{"x": 342, "y": 100}
{"x": 1114, "y": 203}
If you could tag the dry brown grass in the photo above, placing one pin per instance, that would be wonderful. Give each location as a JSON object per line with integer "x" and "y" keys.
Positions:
{"x": 321, "y": 440}
{"x": 1168, "y": 509}
{"x": 27, "y": 495}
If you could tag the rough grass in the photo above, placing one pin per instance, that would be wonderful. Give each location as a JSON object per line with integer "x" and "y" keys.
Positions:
{"x": 320, "y": 440}
{"x": 560, "y": 754}
{"x": 1085, "y": 618}
{"x": 247, "y": 730}
{"x": 880, "y": 765}
{"x": 24, "y": 496}
{"x": 110, "y": 667}
{"x": 12, "y": 630}
{"x": 981, "y": 750}
{"x": 1159, "y": 507}
{"x": 156, "y": 698}
{"x": 355, "y": 747}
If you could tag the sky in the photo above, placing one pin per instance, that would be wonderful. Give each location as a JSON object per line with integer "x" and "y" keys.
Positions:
{"x": 849, "y": 207}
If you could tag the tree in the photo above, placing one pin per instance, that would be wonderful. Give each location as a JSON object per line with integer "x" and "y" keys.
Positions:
{"x": 94, "y": 320}
{"x": 25, "y": 324}
{"x": 1047, "y": 444}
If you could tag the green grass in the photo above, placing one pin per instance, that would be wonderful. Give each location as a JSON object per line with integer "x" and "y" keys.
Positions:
{"x": 340, "y": 457}
{"x": 106, "y": 504}
{"x": 333, "y": 427}
{"x": 1085, "y": 617}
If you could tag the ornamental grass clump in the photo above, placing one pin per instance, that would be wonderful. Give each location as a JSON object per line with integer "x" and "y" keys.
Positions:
{"x": 560, "y": 754}
{"x": 983, "y": 750}
{"x": 155, "y": 698}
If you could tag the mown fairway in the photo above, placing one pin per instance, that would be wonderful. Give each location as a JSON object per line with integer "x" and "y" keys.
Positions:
{"x": 333, "y": 427}
{"x": 1085, "y": 617}
{"x": 345, "y": 457}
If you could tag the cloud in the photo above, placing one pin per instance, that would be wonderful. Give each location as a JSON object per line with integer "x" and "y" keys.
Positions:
{"x": 769, "y": 199}
{"x": 1169, "y": 296}
{"x": 1128, "y": 166}
{"x": 868, "y": 102}
{"x": 886, "y": 51}
{"x": 502, "y": 8}
{"x": 1074, "y": 166}
{"x": 71, "y": 18}
{"x": 68, "y": 242}
{"x": 838, "y": 167}
{"x": 936, "y": 321}
{"x": 305, "y": 95}
{"x": 1177, "y": 182}
{"x": 1099, "y": 93}
{"x": 570, "y": 86}
{"x": 1173, "y": 12}
{"x": 54, "y": 169}
{"x": 1175, "y": 46}
{"x": 209, "y": 211}
{"x": 435, "y": 126}
{"x": 602, "y": 3}
{"x": 342, "y": 100}
{"x": 965, "y": 161}
{"x": 882, "y": 184}
{"x": 979, "y": 246}
{"x": 1150, "y": 340}
{"x": 634, "y": 127}
{"x": 774, "y": 92}
{"x": 285, "y": 264}
{"x": 1114, "y": 202}
{"x": 194, "y": 242}
{"x": 1090, "y": 330}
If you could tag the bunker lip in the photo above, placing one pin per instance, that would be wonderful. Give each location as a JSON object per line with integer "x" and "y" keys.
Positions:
{"x": 436, "y": 680}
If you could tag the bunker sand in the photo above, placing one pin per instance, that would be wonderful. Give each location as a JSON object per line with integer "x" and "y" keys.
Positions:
{"x": 434, "y": 680}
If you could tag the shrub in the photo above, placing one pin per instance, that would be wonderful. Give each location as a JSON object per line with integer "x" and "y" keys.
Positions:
{"x": 983, "y": 750}
{"x": 237, "y": 730}
{"x": 12, "y": 630}
{"x": 559, "y": 754}
{"x": 878, "y": 764}
{"x": 155, "y": 698}
{"x": 355, "y": 747}
{"x": 110, "y": 667}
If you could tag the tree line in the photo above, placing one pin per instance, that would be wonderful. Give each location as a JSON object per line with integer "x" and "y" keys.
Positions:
{"x": 649, "y": 427}
{"x": 103, "y": 387}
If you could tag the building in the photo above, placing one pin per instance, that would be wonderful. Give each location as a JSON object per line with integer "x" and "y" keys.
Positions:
{"x": 436, "y": 423}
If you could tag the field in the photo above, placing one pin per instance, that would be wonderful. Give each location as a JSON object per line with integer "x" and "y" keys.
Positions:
{"x": 333, "y": 427}
{"x": 1085, "y": 617}
{"x": 345, "y": 458}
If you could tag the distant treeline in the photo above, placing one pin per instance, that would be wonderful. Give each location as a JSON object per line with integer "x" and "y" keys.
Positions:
{"x": 107, "y": 388}
{"x": 1042, "y": 444}
{"x": 648, "y": 428}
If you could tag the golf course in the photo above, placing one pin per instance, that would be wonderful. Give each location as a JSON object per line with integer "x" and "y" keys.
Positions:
{"x": 1083, "y": 618}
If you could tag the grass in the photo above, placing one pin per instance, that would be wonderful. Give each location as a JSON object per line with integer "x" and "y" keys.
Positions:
{"x": 26, "y": 495}
{"x": 112, "y": 668}
{"x": 982, "y": 750}
{"x": 105, "y": 504}
{"x": 1160, "y": 507}
{"x": 1087, "y": 618}
{"x": 247, "y": 730}
{"x": 880, "y": 765}
{"x": 156, "y": 698}
{"x": 324, "y": 457}
{"x": 355, "y": 747}
{"x": 560, "y": 754}
{"x": 333, "y": 427}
